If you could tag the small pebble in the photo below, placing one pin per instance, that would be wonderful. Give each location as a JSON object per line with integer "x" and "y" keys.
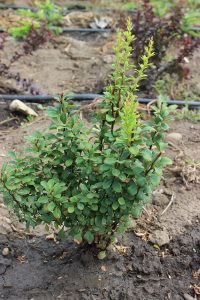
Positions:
{"x": 103, "y": 268}
{"x": 160, "y": 237}
{"x": 174, "y": 137}
{"x": 5, "y": 251}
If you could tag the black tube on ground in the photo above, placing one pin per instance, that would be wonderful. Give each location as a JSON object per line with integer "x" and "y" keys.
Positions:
{"x": 71, "y": 30}
{"x": 66, "y": 9}
{"x": 15, "y": 7}
{"x": 83, "y": 97}
{"x": 92, "y": 30}
{"x": 89, "y": 30}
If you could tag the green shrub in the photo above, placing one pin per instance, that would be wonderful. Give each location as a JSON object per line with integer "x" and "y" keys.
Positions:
{"x": 46, "y": 14}
{"x": 92, "y": 180}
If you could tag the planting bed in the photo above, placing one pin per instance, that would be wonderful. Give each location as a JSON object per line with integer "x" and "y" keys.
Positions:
{"x": 137, "y": 268}
{"x": 159, "y": 257}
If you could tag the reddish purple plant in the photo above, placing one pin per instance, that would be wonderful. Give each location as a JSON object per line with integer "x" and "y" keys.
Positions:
{"x": 164, "y": 31}
{"x": 3, "y": 37}
{"x": 34, "y": 39}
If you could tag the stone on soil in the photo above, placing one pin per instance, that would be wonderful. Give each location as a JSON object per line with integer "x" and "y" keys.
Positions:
{"x": 174, "y": 137}
{"x": 5, "y": 228}
{"x": 19, "y": 106}
{"x": 160, "y": 200}
{"x": 160, "y": 237}
{"x": 5, "y": 251}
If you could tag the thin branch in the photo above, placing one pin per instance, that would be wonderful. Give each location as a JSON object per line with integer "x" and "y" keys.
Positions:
{"x": 169, "y": 204}
{"x": 152, "y": 164}
{"x": 8, "y": 120}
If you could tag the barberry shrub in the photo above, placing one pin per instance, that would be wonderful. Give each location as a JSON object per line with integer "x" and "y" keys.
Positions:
{"x": 91, "y": 181}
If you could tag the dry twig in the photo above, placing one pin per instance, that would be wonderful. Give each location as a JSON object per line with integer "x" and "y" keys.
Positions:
{"x": 169, "y": 204}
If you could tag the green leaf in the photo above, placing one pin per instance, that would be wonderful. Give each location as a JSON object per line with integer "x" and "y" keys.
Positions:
{"x": 28, "y": 179}
{"x": 43, "y": 199}
{"x": 79, "y": 160}
{"x": 115, "y": 205}
{"x": 154, "y": 179}
{"x": 132, "y": 189}
{"x": 78, "y": 237}
{"x": 61, "y": 233}
{"x": 83, "y": 187}
{"x": 115, "y": 172}
{"x": 121, "y": 201}
{"x": 161, "y": 146}
{"x": 24, "y": 191}
{"x": 101, "y": 255}
{"x": 70, "y": 209}
{"x": 106, "y": 184}
{"x": 63, "y": 117}
{"x": 68, "y": 162}
{"x": 4, "y": 166}
{"x": 98, "y": 221}
{"x": 122, "y": 177}
{"x": 137, "y": 168}
{"x": 57, "y": 213}
{"x": 103, "y": 209}
{"x": 80, "y": 206}
{"x": 137, "y": 211}
{"x": 110, "y": 161}
{"x": 147, "y": 155}
{"x": 117, "y": 187}
{"x": 109, "y": 118}
{"x": 141, "y": 181}
{"x": 104, "y": 168}
{"x": 95, "y": 207}
{"x": 90, "y": 195}
{"x": 89, "y": 237}
{"x": 50, "y": 184}
{"x": 58, "y": 189}
{"x": 163, "y": 161}
{"x": 134, "y": 150}
{"x": 51, "y": 206}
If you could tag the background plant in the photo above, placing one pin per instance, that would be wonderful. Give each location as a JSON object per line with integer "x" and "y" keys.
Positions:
{"x": 92, "y": 180}
{"x": 186, "y": 114}
{"x": 166, "y": 30}
{"x": 33, "y": 40}
{"x": 44, "y": 15}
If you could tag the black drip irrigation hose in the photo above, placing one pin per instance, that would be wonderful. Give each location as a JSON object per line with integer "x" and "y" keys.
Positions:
{"x": 89, "y": 30}
{"x": 66, "y": 9}
{"x": 81, "y": 30}
{"x": 84, "y": 97}
{"x": 94, "y": 30}
{"x": 15, "y": 7}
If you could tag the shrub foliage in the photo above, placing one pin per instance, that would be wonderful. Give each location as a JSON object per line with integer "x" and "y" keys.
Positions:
{"x": 92, "y": 180}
